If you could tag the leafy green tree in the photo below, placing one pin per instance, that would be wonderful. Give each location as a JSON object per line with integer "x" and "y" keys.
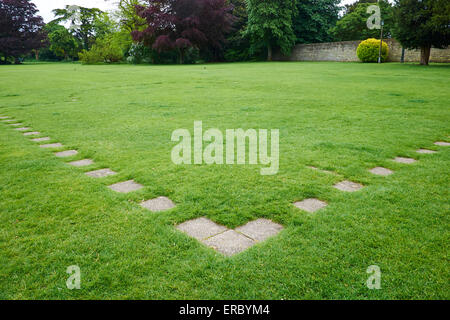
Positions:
{"x": 315, "y": 20}
{"x": 103, "y": 50}
{"x": 423, "y": 24}
{"x": 86, "y": 24}
{"x": 62, "y": 43}
{"x": 353, "y": 25}
{"x": 270, "y": 24}
{"x": 128, "y": 17}
{"x": 238, "y": 44}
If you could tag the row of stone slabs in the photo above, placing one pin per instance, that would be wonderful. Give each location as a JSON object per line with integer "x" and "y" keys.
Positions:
{"x": 220, "y": 238}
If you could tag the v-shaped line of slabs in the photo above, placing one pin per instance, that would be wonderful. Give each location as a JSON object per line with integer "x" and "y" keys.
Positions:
{"x": 220, "y": 238}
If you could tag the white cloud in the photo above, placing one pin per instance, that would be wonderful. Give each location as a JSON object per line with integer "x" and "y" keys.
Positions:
{"x": 45, "y": 7}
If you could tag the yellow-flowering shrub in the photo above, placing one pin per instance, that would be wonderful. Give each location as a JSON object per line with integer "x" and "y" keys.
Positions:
{"x": 368, "y": 50}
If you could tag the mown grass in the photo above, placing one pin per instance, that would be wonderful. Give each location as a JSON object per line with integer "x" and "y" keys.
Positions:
{"x": 346, "y": 118}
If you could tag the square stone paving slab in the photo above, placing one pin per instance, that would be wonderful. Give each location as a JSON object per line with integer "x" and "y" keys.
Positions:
{"x": 101, "y": 173}
{"x": 425, "y": 151}
{"x": 51, "y": 145}
{"x": 41, "y": 139}
{"x": 126, "y": 186}
{"x": 67, "y": 153}
{"x": 381, "y": 171}
{"x": 260, "y": 229}
{"x": 442, "y": 143}
{"x": 22, "y": 129}
{"x": 81, "y": 163}
{"x": 310, "y": 205}
{"x": 348, "y": 186}
{"x": 158, "y": 204}
{"x": 229, "y": 242}
{"x": 201, "y": 228}
{"x": 404, "y": 160}
{"x": 34, "y": 133}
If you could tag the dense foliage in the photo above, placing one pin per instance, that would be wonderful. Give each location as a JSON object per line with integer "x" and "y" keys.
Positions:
{"x": 270, "y": 25}
{"x": 369, "y": 50}
{"x": 182, "y": 25}
{"x": 192, "y": 31}
{"x": 423, "y": 24}
{"x": 20, "y": 29}
{"x": 86, "y": 24}
{"x": 315, "y": 20}
{"x": 353, "y": 25}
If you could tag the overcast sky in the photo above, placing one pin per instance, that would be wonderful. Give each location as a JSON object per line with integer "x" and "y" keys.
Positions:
{"x": 46, "y": 6}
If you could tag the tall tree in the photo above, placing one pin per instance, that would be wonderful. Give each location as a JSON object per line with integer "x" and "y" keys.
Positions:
{"x": 422, "y": 24}
{"x": 270, "y": 23}
{"x": 237, "y": 44}
{"x": 86, "y": 24}
{"x": 20, "y": 28}
{"x": 62, "y": 43}
{"x": 315, "y": 20}
{"x": 353, "y": 25}
{"x": 183, "y": 24}
{"x": 129, "y": 19}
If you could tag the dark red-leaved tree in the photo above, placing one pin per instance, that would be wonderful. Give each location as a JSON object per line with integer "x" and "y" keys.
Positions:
{"x": 20, "y": 28}
{"x": 182, "y": 24}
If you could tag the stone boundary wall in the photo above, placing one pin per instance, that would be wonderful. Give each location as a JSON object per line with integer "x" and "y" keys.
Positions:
{"x": 345, "y": 51}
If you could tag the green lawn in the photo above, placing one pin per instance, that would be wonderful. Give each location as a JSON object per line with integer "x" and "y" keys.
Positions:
{"x": 344, "y": 117}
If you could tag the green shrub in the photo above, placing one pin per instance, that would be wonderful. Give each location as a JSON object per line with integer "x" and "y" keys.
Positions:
{"x": 368, "y": 50}
{"x": 102, "y": 51}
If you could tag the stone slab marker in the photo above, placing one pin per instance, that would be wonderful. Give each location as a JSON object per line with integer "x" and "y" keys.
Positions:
{"x": 226, "y": 241}
{"x": 260, "y": 229}
{"x": 425, "y": 151}
{"x": 81, "y": 163}
{"x": 442, "y": 143}
{"x": 404, "y": 160}
{"x": 311, "y": 205}
{"x": 34, "y": 133}
{"x": 67, "y": 153}
{"x": 229, "y": 243}
{"x": 201, "y": 228}
{"x": 348, "y": 186}
{"x": 52, "y": 145}
{"x": 125, "y": 187}
{"x": 158, "y": 204}
{"x": 101, "y": 173}
{"x": 41, "y": 139}
{"x": 381, "y": 171}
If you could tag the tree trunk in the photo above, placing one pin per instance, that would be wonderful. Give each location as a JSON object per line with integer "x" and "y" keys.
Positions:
{"x": 181, "y": 57}
{"x": 36, "y": 53}
{"x": 425, "y": 55}
{"x": 269, "y": 52}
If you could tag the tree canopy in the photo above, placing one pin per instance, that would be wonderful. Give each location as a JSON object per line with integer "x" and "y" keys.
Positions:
{"x": 315, "y": 19}
{"x": 353, "y": 25}
{"x": 183, "y": 24}
{"x": 270, "y": 24}
{"x": 86, "y": 24}
{"x": 20, "y": 28}
{"x": 423, "y": 24}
